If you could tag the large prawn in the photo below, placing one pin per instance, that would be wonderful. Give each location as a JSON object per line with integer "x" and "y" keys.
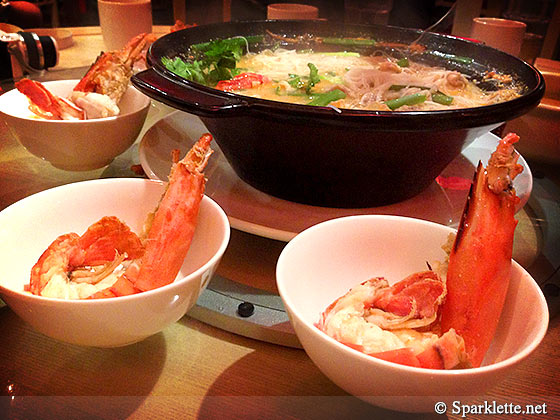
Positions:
{"x": 426, "y": 322}
{"x": 110, "y": 260}
{"x": 98, "y": 93}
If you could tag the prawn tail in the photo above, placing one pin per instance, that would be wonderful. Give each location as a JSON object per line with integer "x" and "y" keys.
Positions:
{"x": 174, "y": 222}
{"x": 111, "y": 72}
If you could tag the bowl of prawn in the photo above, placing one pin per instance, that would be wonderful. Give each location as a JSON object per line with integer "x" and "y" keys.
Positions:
{"x": 325, "y": 261}
{"x": 75, "y": 145}
{"x": 30, "y": 225}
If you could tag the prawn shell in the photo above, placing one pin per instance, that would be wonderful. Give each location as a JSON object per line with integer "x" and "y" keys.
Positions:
{"x": 106, "y": 238}
{"x": 175, "y": 220}
{"x": 479, "y": 267}
{"x": 404, "y": 356}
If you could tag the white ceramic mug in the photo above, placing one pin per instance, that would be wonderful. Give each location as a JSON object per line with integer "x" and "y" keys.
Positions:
{"x": 291, "y": 11}
{"x": 503, "y": 34}
{"x": 121, "y": 20}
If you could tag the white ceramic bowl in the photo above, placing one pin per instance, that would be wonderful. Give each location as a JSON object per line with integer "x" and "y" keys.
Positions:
{"x": 30, "y": 225}
{"x": 325, "y": 261}
{"x": 75, "y": 145}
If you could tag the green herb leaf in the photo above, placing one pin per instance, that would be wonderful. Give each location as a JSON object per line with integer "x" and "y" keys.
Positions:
{"x": 214, "y": 61}
{"x": 295, "y": 81}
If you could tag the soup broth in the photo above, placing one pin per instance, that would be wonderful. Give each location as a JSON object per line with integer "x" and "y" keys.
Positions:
{"x": 371, "y": 79}
{"x": 375, "y": 82}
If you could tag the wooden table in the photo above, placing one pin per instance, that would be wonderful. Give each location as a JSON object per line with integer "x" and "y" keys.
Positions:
{"x": 193, "y": 370}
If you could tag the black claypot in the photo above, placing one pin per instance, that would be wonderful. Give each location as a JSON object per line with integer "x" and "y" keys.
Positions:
{"x": 337, "y": 158}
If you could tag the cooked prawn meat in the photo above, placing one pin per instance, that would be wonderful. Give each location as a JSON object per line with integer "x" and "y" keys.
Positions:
{"x": 394, "y": 321}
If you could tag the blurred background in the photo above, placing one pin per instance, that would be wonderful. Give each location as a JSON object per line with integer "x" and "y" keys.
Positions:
{"x": 541, "y": 16}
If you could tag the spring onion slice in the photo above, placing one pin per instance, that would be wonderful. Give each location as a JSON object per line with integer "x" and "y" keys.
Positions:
{"x": 341, "y": 54}
{"x": 313, "y": 76}
{"x": 414, "y": 99}
{"x": 348, "y": 41}
{"x": 323, "y": 99}
{"x": 452, "y": 57}
{"x": 438, "y": 96}
{"x": 442, "y": 98}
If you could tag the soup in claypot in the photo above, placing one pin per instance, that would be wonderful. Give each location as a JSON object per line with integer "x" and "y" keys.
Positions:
{"x": 341, "y": 79}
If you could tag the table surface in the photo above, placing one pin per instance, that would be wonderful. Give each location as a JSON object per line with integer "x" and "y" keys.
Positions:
{"x": 194, "y": 370}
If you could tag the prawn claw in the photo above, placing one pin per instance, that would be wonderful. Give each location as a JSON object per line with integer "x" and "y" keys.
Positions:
{"x": 480, "y": 258}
